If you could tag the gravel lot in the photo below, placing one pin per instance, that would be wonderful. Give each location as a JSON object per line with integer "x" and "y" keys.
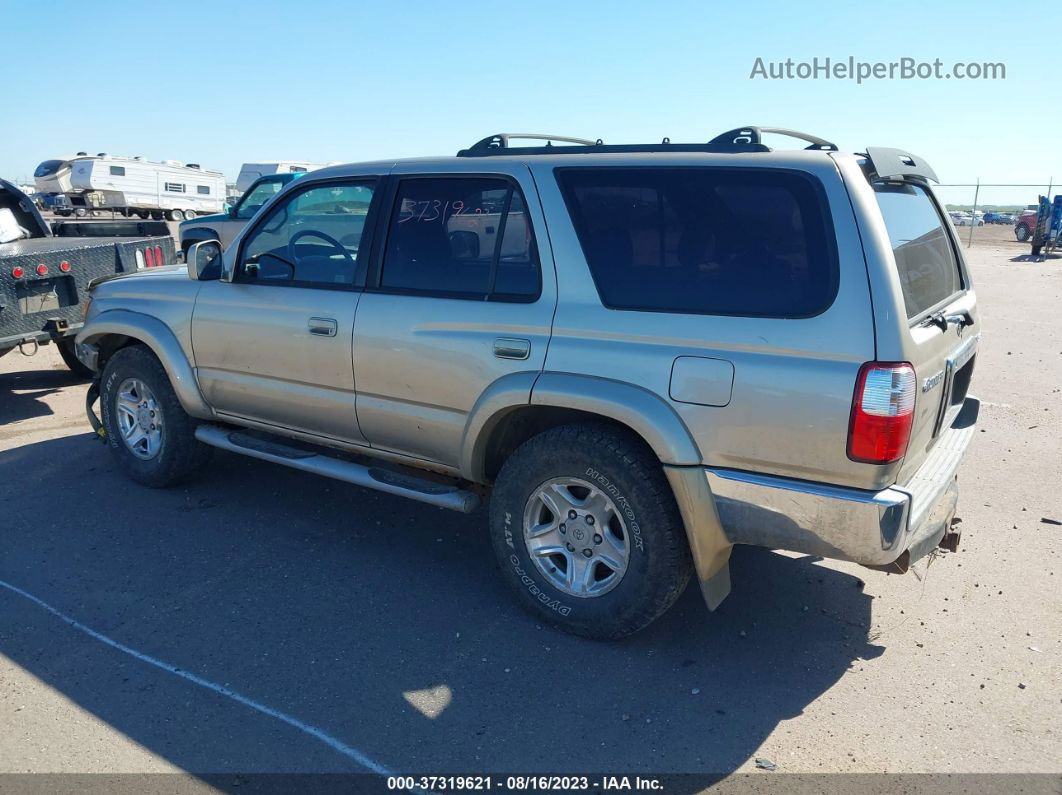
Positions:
{"x": 382, "y": 624}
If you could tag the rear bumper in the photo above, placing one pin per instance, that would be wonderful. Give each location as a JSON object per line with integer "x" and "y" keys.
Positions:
{"x": 874, "y": 528}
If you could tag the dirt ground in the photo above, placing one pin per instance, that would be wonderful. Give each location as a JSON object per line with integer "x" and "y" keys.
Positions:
{"x": 381, "y": 624}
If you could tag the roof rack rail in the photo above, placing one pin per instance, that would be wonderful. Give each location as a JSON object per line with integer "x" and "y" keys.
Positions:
{"x": 500, "y": 141}
{"x": 753, "y": 136}
{"x": 740, "y": 139}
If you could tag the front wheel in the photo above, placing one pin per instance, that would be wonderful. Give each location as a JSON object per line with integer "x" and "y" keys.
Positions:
{"x": 149, "y": 433}
{"x": 587, "y": 532}
{"x": 1022, "y": 233}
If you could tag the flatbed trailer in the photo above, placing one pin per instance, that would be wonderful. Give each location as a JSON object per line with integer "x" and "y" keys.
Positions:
{"x": 45, "y": 273}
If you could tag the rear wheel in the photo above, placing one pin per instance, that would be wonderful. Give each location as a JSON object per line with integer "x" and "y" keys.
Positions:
{"x": 80, "y": 212}
{"x": 66, "y": 351}
{"x": 587, "y": 532}
{"x": 176, "y": 215}
{"x": 1021, "y": 231}
{"x": 149, "y": 433}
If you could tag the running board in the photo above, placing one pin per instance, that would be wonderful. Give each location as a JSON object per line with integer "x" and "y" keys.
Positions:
{"x": 411, "y": 486}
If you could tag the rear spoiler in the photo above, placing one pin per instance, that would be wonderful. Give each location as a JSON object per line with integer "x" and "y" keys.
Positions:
{"x": 899, "y": 164}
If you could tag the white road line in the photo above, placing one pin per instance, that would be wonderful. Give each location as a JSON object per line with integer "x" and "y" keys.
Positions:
{"x": 313, "y": 731}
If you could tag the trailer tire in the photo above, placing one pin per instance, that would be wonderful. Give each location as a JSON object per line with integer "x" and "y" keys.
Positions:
{"x": 80, "y": 212}
{"x": 175, "y": 215}
{"x": 69, "y": 357}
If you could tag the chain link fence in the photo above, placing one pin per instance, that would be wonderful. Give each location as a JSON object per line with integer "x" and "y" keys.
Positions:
{"x": 977, "y": 197}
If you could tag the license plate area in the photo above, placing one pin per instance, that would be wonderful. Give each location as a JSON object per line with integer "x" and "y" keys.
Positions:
{"x": 958, "y": 370}
{"x": 45, "y": 295}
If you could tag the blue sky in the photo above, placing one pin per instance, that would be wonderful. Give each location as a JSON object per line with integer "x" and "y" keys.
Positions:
{"x": 224, "y": 83}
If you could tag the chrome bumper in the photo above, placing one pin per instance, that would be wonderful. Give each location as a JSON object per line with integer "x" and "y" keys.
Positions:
{"x": 872, "y": 528}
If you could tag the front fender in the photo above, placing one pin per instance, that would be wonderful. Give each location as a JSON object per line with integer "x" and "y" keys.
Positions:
{"x": 161, "y": 340}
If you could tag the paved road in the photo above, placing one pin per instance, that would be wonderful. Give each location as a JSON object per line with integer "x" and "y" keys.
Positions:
{"x": 382, "y": 625}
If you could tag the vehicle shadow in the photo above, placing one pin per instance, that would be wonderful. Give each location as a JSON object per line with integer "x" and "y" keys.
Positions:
{"x": 385, "y": 624}
{"x": 21, "y": 392}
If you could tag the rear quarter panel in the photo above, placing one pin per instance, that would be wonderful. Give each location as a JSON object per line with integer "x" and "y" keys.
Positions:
{"x": 793, "y": 379}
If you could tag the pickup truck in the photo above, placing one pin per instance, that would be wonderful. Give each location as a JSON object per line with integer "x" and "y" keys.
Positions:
{"x": 45, "y": 272}
{"x": 714, "y": 344}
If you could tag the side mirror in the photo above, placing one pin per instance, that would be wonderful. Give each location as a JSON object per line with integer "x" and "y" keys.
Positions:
{"x": 464, "y": 245}
{"x": 232, "y": 212}
{"x": 204, "y": 260}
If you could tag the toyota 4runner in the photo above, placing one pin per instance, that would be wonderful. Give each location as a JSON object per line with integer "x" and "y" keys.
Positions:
{"x": 640, "y": 354}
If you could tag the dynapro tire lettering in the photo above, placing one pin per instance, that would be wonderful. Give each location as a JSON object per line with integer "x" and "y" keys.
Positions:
{"x": 622, "y": 504}
{"x": 509, "y": 530}
{"x": 538, "y": 593}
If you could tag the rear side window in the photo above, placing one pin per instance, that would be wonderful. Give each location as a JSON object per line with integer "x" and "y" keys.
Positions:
{"x": 925, "y": 260}
{"x": 704, "y": 240}
{"x": 466, "y": 237}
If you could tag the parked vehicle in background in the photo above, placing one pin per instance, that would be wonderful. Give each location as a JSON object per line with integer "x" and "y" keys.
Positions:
{"x": 224, "y": 227}
{"x": 1025, "y": 226}
{"x": 715, "y": 344}
{"x": 45, "y": 274}
{"x": 998, "y": 218}
{"x": 132, "y": 186}
{"x": 967, "y": 219}
{"x": 250, "y": 172}
{"x": 1047, "y": 233}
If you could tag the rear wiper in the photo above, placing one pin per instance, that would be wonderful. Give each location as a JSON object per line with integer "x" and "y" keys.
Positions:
{"x": 942, "y": 321}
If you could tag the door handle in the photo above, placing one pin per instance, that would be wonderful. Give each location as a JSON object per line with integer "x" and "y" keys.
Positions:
{"x": 322, "y": 326}
{"x": 512, "y": 348}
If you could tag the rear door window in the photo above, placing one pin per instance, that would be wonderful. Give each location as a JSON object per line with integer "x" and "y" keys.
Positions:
{"x": 925, "y": 260}
{"x": 704, "y": 240}
{"x": 466, "y": 237}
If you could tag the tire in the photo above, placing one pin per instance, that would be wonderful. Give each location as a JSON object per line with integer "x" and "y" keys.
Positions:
{"x": 156, "y": 215}
{"x": 66, "y": 351}
{"x": 1021, "y": 231}
{"x": 175, "y": 215}
{"x": 189, "y": 214}
{"x": 80, "y": 212}
{"x": 616, "y": 465}
{"x": 179, "y": 455}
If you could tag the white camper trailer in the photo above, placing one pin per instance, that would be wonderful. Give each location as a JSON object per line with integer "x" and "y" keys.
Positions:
{"x": 53, "y": 176}
{"x": 252, "y": 171}
{"x": 133, "y": 186}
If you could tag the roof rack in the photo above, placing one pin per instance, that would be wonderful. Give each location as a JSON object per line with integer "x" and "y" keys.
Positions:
{"x": 740, "y": 139}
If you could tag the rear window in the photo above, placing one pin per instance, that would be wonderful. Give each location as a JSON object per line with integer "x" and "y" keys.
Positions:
{"x": 704, "y": 240}
{"x": 925, "y": 259}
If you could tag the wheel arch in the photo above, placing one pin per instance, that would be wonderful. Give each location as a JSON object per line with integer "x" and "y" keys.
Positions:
{"x": 505, "y": 417}
{"x": 115, "y": 329}
{"x": 197, "y": 234}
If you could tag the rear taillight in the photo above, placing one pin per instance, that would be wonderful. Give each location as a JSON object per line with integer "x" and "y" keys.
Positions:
{"x": 882, "y": 412}
{"x": 42, "y": 270}
{"x": 149, "y": 256}
{"x": 64, "y": 266}
{"x": 158, "y": 256}
{"x": 18, "y": 272}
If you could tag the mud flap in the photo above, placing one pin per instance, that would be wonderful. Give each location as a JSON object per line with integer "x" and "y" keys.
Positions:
{"x": 709, "y": 545}
{"x": 91, "y": 397}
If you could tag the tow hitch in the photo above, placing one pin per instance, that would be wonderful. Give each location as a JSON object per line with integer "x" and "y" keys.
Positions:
{"x": 950, "y": 540}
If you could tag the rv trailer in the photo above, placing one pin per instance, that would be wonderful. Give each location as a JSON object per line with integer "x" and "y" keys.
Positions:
{"x": 133, "y": 186}
{"x": 252, "y": 171}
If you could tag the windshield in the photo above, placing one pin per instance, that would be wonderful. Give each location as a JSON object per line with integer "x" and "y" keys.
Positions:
{"x": 925, "y": 260}
{"x": 47, "y": 168}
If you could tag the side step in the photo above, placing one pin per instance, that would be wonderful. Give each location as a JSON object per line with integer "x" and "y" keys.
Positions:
{"x": 415, "y": 488}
